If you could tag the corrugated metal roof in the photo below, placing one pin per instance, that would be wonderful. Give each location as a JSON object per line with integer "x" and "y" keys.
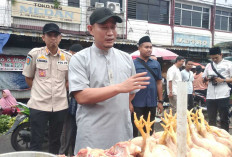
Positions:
{"x": 192, "y": 49}
{"x": 65, "y": 36}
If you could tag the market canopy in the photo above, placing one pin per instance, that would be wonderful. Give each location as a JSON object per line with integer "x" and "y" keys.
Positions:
{"x": 225, "y": 45}
{"x": 195, "y": 64}
{"x": 228, "y": 58}
{"x": 158, "y": 52}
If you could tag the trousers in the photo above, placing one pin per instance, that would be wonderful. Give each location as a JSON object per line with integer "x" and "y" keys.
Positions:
{"x": 218, "y": 105}
{"x": 39, "y": 122}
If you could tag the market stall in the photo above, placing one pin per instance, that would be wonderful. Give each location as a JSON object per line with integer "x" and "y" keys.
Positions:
{"x": 158, "y": 52}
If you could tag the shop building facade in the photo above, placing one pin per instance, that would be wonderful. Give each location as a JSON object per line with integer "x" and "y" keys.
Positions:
{"x": 186, "y": 27}
{"x": 21, "y": 23}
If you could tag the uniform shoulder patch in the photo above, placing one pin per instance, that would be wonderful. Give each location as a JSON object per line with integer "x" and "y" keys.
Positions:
{"x": 28, "y": 60}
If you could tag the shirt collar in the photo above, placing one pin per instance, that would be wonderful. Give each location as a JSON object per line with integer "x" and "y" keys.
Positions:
{"x": 48, "y": 52}
{"x": 149, "y": 59}
{"x": 100, "y": 51}
{"x": 176, "y": 66}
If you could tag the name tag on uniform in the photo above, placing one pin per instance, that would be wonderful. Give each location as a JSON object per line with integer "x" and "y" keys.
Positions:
{"x": 63, "y": 62}
{"x": 42, "y": 60}
{"x": 42, "y": 73}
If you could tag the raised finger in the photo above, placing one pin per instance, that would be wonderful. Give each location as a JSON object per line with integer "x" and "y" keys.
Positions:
{"x": 140, "y": 87}
{"x": 141, "y": 79}
{"x": 139, "y": 75}
{"x": 141, "y": 83}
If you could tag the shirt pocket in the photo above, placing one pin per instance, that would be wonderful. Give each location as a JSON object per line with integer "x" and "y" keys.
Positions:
{"x": 62, "y": 71}
{"x": 140, "y": 69}
{"x": 42, "y": 70}
{"x": 155, "y": 69}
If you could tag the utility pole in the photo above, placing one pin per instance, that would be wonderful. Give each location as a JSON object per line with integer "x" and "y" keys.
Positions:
{"x": 213, "y": 18}
{"x": 172, "y": 19}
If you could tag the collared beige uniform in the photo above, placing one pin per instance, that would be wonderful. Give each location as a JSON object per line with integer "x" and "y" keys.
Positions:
{"x": 49, "y": 73}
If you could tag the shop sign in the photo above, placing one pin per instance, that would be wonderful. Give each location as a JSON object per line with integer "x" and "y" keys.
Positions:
{"x": 191, "y": 40}
{"x": 46, "y": 11}
{"x": 12, "y": 63}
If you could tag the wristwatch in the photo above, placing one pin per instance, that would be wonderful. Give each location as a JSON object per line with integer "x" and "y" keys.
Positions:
{"x": 161, "y": 101}
{"x": 224, "y": 80}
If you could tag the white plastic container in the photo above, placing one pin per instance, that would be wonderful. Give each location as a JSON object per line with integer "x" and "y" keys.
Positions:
{"x": 27, "y": 154}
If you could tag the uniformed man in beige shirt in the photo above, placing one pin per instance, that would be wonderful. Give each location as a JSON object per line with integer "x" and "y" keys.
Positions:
{"x": 46, "y": 72}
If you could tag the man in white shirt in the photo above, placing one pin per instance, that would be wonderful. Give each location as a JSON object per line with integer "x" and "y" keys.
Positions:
{"x": 218, "y": 92}
{"x": 174, "y": 76}
{"x": 187, "y": 76}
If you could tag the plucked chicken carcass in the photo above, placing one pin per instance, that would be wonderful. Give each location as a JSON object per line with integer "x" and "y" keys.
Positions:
{"x": 88, "y": 152}
{"x": 121, "y": 149}
{"x": 217, "y": 149}
{"x": 202, "y": 140}
{"x": 124, "y": 149}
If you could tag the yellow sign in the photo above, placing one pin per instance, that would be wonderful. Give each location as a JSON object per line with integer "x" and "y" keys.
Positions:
{"x": 46, "y": 11}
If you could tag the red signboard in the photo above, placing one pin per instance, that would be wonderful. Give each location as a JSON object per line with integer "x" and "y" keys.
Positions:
{"x": 12, "y": 63}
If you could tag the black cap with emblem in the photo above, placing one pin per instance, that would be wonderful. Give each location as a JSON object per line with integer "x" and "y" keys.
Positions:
{"x": 100, "y": 15}
{"x": 51, "y": 27}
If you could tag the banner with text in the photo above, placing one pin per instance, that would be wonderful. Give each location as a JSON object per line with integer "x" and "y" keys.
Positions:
{"x": 12, "y": 63}
{"x": 46, "y": 11}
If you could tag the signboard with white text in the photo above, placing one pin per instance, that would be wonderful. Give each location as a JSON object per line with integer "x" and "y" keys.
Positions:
{"x": 191, "y": 40}
{"x": 46, "y": 11}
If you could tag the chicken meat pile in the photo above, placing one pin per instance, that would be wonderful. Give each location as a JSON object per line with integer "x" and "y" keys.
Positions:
{"x": 202, "y": 140}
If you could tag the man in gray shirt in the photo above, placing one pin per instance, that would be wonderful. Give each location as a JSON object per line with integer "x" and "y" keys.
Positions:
{"x": 103, "y": 81}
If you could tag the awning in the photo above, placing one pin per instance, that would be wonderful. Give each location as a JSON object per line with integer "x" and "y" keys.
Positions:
{"x": 66, "y": 36}
{"x": 191, "y": 49}
{"x": 195, "y": 64}
{"x": 15, "y": 51}
{"x": 228, "y": 58}
{"x": 158, "y": 52}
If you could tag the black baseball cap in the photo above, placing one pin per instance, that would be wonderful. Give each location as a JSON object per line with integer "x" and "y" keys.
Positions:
{"x": 51, "y": 27}
{"x": 100, "y": 15}
{"x": 76, "y": 48}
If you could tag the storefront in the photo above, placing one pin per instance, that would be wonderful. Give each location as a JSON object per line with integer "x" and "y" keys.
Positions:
{"x": 192, "y": 47}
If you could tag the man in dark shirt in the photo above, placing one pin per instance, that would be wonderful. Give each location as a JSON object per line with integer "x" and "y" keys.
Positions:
{"x": 145, "y": 100}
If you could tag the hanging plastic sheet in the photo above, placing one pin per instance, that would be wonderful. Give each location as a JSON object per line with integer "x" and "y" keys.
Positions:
{"x": 3, "y": 40}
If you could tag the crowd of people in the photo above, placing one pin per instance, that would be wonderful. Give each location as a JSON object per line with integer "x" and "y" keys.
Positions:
{"x": 105, "y": 86}
{"x": 214, "y": 82}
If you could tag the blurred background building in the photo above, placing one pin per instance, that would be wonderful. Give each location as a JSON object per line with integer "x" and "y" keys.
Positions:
{"x": 186, "y": 27}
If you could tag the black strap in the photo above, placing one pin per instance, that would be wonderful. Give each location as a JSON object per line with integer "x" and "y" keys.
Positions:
{"x": 216, "y": 71}
{"x": 147, "y": 67}
{"x": 230, "y": 85}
